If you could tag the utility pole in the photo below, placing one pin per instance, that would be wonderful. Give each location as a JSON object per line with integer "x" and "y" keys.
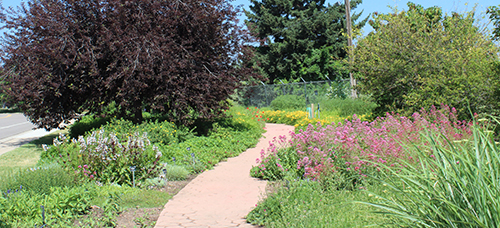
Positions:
{"x": 354, "y": 93}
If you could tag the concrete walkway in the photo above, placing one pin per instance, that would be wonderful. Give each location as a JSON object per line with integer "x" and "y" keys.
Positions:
{"x": 10, "y": 143}
{"x": 221, "y": 197}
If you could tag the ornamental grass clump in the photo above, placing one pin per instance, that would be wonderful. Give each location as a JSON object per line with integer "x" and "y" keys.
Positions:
{"x": 38, "y": 179}
{"x": 456, "y": 183}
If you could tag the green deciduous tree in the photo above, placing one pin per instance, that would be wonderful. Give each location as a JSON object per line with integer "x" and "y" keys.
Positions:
{"x": 175, "y": 57}
{"x": 299, "y": 38}
{"x": 494, "y": 12}
{"x": 420, "y": 57}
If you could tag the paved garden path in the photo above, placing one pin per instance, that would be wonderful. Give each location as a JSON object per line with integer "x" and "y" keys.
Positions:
{"x": 221, "y": 197}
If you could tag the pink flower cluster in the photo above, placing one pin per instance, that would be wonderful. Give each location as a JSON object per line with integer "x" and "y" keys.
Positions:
{"x": 86, "y": 172}
{"x": 359, "y": 147}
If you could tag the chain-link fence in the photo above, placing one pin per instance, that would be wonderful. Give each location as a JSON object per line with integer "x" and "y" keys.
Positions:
{"x": 262, "y": 95}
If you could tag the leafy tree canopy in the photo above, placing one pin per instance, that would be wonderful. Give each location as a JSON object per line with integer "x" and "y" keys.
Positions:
{"x": 72, "y": 56}
{"x": 2, "y": 93}
{"x": 422, "y": 57}
{"x": 300, "y": 38}
{"x": 494, "y": 12}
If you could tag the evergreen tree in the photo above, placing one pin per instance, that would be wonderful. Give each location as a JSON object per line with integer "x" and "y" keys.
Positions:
{"x": 300, "y": 38}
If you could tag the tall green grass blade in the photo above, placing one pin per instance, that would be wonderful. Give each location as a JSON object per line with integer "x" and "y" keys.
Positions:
{"x": 453, "y": 184}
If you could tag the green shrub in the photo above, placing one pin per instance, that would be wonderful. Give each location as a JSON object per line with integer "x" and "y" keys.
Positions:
{"x": 86, "y": 124}
{"x": 288, "y": 102}
{"x": 201, "y": 153}
{"x": 438, "y": 59}
{"x": 38, "y": 179}
{"x": 60, "y": 147}
{"x": 9, "y": 110}
{"x": 276, "y": 165}
{"x": 228, "y": 137}
{"x": 158, "y": 132}
{"x": 339, "y": 89}
{"x": 104, "y": 158}
{"x": 347, "y": 106}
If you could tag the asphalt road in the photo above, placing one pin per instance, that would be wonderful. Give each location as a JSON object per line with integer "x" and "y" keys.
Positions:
{"x": 13, "y": 124}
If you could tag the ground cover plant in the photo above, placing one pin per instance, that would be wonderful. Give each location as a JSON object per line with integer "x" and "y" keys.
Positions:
{"x": 38, "y": 179}
{"x": 25, "y": 187}
{"x": 341, "y": 157}
{"x": 290, "y": 109}
{"x": 58, "y": 208}
{"x": 98, "y": 163}
{"x": 303, "y": 203}
{"x": 302, "y": 119}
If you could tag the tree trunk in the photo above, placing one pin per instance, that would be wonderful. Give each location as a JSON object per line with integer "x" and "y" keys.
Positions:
{"x": 137, "y": 115}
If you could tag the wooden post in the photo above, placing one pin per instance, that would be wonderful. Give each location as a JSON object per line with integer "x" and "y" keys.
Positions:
{"x": 354, "y": 93}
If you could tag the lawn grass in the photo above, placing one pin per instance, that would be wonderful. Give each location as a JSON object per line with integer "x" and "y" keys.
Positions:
{"x": 25, "y": 156}
{"x": 307, "y": 204}
{"x": 144, "y": 198}
{"x": 129, "y": 197}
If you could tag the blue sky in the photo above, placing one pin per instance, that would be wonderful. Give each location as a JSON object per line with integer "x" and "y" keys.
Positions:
{"x": 381, "y": 6}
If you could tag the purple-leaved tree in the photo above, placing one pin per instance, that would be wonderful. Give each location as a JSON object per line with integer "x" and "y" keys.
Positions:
{"x": 178, "y": 57}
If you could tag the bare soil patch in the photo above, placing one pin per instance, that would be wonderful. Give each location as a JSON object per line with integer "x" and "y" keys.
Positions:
{"x": 137, "y": 217}
{"x": 147, "y": 217}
